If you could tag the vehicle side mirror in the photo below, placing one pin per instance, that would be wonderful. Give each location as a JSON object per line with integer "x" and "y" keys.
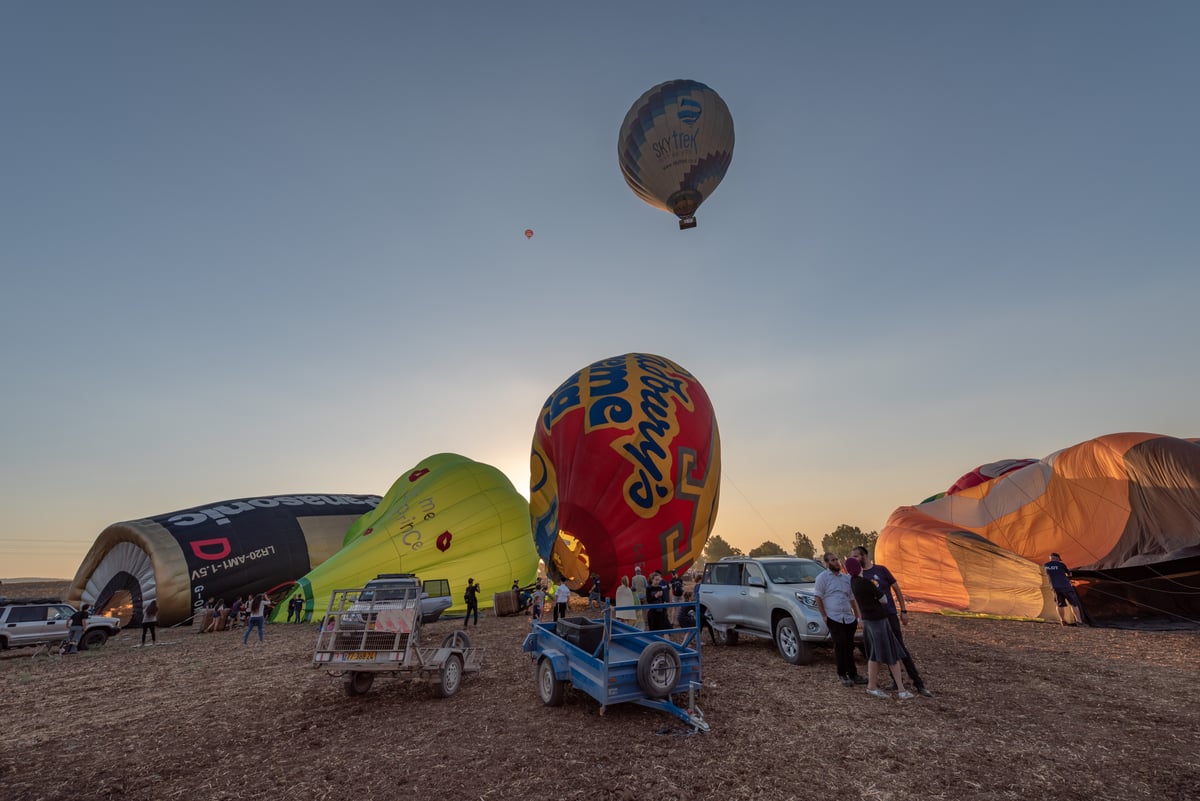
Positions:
{"x": 756, "y": 581}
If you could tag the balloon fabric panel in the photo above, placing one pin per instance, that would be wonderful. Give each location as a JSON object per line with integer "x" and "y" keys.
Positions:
{"x": 675, "y": 145}
{"x": 1107, "y": 504}
{"x": 222, "y": 550}
{"x": 625, "y": 471}
{"x": 447, "y": 518}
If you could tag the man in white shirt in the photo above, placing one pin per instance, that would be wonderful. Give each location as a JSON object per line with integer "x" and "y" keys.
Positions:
{"x": 836, "y": 604}
{"x": 561, "y": 596}
{"x": 639, "y": 592}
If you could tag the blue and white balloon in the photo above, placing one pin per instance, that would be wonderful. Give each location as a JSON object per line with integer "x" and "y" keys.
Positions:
{"x": 675, "y": 145}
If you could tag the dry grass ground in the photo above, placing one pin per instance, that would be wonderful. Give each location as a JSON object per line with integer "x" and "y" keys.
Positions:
{"x": 1022, "y": 710}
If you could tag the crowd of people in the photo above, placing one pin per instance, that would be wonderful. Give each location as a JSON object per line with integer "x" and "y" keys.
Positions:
{"x": 248, "y": 612}
{"x": 853, "y": 591}
{"x": 658, "y": 588}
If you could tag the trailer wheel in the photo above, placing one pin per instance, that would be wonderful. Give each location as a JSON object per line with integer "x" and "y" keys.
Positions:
{"x": 658, "y": 670}
{"x": 457, "y": 639}
{"x": 357, "y": 682}
{"x": 449, "y": 677}
{"x": 550, "y": 687}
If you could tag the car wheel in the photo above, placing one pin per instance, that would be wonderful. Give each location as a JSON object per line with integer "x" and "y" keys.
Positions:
{"x": 550, "y": 687}
{"x": 356, "y": 682}
{"x": 449, "y": 677}
{"x": 794, "y": 650}
{"x": 457, "y": 639}
{"x": 658, "y": 670}
{"x": 93, "y": 639}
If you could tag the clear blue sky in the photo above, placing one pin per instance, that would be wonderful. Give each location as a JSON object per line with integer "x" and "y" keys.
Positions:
{"x": 252, "y": 248}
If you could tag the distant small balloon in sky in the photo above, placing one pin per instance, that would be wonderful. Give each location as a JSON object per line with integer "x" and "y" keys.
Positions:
{"x": 529, "y": 233}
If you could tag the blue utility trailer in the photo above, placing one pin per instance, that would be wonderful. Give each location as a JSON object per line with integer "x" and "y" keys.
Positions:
{"x": 615, "y": 662}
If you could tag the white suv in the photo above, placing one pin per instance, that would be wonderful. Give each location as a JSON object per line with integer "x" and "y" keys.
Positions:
{"x": 37, "y": 621}
{"x": 772, "y": 597}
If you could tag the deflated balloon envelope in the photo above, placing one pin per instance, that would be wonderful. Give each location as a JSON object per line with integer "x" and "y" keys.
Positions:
{"x": 674, "y": 147}
{"x": 447, "y": 518}
{"x": 1122, "y": 510}
{"x": 625, "y": 471}
{"x": 221, "y": 550}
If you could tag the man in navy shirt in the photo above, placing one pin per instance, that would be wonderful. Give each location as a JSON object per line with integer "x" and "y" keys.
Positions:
{"x": 1064, "y": 590}
{"x": 882, "y": 578}
{"x": 595, "y": 594}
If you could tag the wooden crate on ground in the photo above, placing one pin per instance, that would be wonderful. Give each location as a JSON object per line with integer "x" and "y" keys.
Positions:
{"x": 505, "y": 603}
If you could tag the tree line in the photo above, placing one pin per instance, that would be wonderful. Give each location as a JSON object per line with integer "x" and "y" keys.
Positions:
{"x": 840, "y": 541}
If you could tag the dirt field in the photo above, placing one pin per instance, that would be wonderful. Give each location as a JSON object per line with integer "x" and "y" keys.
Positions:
{"x": 1021, "y": 711}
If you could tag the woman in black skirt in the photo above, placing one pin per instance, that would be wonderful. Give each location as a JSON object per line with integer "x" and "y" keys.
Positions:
{"x": 883, "y": 649}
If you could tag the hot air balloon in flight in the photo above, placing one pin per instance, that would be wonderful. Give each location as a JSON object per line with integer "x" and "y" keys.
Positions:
{"x": 529, "y": 233}
{"x": 221, "y": 550}
{"x": 1123, "y": 510}
{"x": 449, "y": 517}
{"x": 675, "y": 145}
{"x": 625, "y": 471}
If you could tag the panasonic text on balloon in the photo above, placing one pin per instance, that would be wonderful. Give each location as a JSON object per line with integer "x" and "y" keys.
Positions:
{"x": 221, "y": 514}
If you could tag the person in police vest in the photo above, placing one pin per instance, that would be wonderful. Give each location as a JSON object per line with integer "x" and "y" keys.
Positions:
{"x": 1064, "y": 590}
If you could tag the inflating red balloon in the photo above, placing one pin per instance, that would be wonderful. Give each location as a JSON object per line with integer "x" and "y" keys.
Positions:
{"x": 529, "y": 233}
{"x": 625, "y": 471}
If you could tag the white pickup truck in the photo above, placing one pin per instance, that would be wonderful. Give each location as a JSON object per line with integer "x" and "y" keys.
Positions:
{"x": 435, "y": 593}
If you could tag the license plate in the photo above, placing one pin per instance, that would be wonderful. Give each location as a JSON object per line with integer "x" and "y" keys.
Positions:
{"x": 359, "y": 656}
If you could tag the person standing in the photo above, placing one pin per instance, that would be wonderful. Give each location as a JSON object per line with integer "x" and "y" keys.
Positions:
{"x": 897, "y": 614}
{"x": 471, "y": 596}
{"x": 656, "y": 593}
{"x": 626, "y": 602}
{"x": 237, "y": 613}
{"x": 214, "y": 615}
{"x": 687, "y": 614}
{"x": 561, "y": 596}
{"x": 676, "y": 582}
{"x": 1064, "y": 590}
{"x": 150, "y": 622}
{"x": 539, "y": 602}
{"x": 883, "y": 649}
{"x": 258, "y": 611}
{"x": 75, "y": 627}
{"x": 295, "y": 608}
{"x": 594, "y": 594}
{"x": 835, "y": 603}
{"x": 639, "y": 586}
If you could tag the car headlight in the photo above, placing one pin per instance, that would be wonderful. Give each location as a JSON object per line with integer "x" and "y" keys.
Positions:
{"x": 808, "y": 600}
